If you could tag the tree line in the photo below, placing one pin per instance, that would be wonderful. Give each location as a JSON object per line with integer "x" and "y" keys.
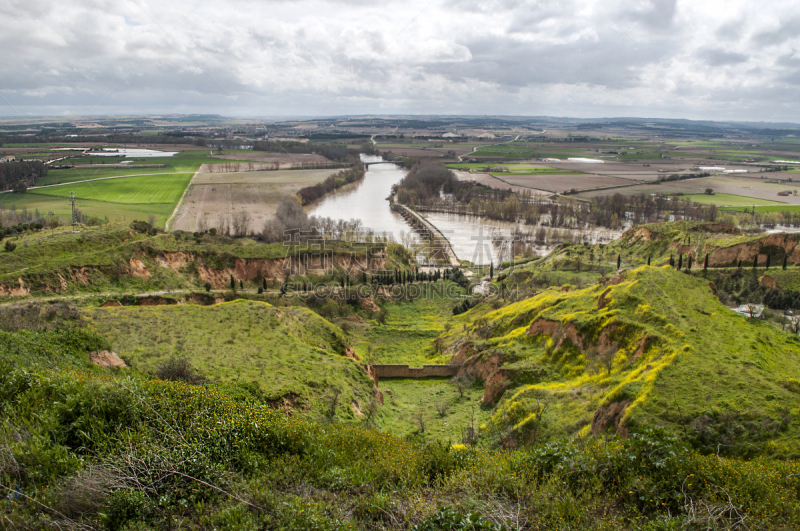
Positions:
{"x": 17, "y": 176}
{"x": 330, "y": 151}
{"x": 309, "y": 194}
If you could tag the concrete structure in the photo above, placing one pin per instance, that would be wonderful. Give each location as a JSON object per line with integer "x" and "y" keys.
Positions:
{"x": 7, "y": 158}
{"x": 404, "y": 371}
{"x": 428, "y": 229}
{"x": 750, "y": 310}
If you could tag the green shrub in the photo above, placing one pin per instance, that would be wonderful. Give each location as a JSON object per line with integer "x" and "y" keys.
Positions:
{"x": 124, "y": 506}
{"x": 448, "y": 519}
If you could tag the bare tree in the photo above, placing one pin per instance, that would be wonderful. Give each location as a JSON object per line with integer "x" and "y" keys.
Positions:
{"x": 602, "y": 357}
{"x": 241, "y": 223}
{"x": 419, "y": 417}
{"x": 462, "y": 383}
{"x": 442, "y": 407}
{"x": 152, "y": 220}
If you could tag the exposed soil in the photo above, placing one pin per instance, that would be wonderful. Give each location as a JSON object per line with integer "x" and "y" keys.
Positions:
{"x": 609, "y": 415}
{"x": 107, "y": 359}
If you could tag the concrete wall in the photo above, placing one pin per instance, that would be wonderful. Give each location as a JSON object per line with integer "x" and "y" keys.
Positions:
{"x": 404, "y": 371}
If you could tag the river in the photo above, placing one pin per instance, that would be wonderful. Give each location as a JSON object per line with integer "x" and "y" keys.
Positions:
{"x": 366, "y": 200}
{"x": 473, "y": 239}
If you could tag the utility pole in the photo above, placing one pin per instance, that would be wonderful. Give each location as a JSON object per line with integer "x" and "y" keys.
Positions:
{"x": 74, "y": 217}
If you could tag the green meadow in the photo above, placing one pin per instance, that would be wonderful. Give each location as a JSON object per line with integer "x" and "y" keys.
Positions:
{"x": 146, "y": 189}
{"x": 730, "y": 200}
{"x": 60, "y": 207}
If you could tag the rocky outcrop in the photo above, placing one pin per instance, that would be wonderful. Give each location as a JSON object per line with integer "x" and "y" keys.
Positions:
{"x": 138, "y": 269}
{"x": 107, "y": 359}
{"x": 610, "y": 415}
{"x": 20, "y": 290}
{"x": 175, "y": 261}
{"x": 279, "y": 268}
{"x": 769, "y": 282}
{"x": 486, "y": 369}
{"x": 111, "y": 304}
{"x": 368, "y": 303}
{"x": 774, "y": 245}
{"x": 559, "y": 331}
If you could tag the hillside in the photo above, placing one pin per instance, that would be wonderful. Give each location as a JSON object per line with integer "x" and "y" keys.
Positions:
{"x": 117, "y": 259}
{"x": 290, "y": 355}
{"x": 651, "y": 347}
{"x": 85, "y": 447}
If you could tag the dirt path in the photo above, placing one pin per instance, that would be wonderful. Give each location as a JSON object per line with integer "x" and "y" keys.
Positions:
{"x": 500, "y": 144}
{"x": 180, "y": 202}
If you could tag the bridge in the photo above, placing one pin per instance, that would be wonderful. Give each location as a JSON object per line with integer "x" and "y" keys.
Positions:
{"x": 428, "y": 231}
{"x": 368, "y": 164}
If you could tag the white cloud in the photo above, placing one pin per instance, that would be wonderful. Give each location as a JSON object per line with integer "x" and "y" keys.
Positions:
{"x": 672, "y": 58}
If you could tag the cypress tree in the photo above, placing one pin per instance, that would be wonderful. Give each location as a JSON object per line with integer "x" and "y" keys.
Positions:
{"x": 619, "y": 261}
{"x": 755, "y": 262}
{"x": 233, "y": 283}
{"x": 241, "y": 285}
{"x": 264, "y": 283}
{"x": 689, "y": 265}
{"x": 740, "y": 264}
{"x": 671, "y": 261}
{"x": 785, "y": 259}
{"x": 491, "y": 269}
{"x": 705, "y": 263}
{"x": 680, "y": 261}
{"x": 767, "y": 261}
{"x": 648, "y": 258}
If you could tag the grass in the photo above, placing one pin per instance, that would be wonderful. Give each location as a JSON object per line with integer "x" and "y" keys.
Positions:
{"x": 728, "y": 200}
{"x": 285, "y": 351}
{"x": 749, "y": 208}
{"x": 153, "y": 189}
{"x": 83, "y": 174}
{"x": 407, "y": 337}
{"x": 404, "y": 399}
{"x": 701, "y": 362}
{"x": 136, "y": 196}
{"x": 42, "y": 259}
{"x": 60, "y": 207}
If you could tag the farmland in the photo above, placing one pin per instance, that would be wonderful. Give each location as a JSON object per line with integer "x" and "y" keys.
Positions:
{"x": 213, "y": 198}
{"x": 559, "y": 183}
{"x": 753, "y": 189}
{"x": 728, "y": 200}
{"x": 61, "y": 208}
{"x": 149, "y": 189}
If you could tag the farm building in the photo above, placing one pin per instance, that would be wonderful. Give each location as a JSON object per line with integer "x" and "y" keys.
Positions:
{"x": 7, "y": 158}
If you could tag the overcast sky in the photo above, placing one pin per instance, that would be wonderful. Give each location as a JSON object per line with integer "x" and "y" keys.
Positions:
{"x": 731, "y": 60}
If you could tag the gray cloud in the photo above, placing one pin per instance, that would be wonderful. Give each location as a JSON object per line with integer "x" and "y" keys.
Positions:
{"x": 720, "y": 57}
{"x": 245, "y": 57}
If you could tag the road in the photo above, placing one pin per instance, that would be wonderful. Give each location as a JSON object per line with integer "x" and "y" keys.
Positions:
{"x": 488, "y": 145}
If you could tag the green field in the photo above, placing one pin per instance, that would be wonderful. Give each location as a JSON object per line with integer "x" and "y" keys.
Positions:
{"x": 183, "y": 162}
{"x": 60, "y": 207}
{"x": 730, "y": 200}
{"x": 782, "y": 208}
{"x": 150, "y": 189}
{"x": 83, "y": 174}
